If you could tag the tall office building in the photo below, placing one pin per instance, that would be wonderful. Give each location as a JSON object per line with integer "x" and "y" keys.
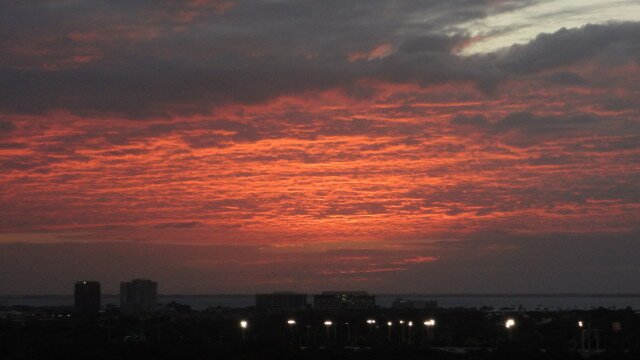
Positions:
{"x": 281, "y": 301}
{"x": 138, "y": 295}
{"x": 86, "y": 297}
{"x": 344, "y": 300}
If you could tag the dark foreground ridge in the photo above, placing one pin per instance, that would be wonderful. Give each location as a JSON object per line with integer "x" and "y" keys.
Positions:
{"x": 177, "y": 332}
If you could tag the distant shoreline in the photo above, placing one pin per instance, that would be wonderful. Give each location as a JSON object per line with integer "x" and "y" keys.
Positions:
{"x": 439, "y": 295}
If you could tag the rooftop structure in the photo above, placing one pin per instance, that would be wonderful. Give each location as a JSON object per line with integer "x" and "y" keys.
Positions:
{"x": 343, "y": 300}
{"x": 86, "y": 297}
{"x": 138, "y": 295}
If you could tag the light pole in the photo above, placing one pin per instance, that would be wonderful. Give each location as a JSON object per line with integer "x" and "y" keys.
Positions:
{"x": 410, "y": 324}
{"x": 402, "y": 326}
{"x": 291, "y": 324}
{"x": 348, "y": 333}
{"x": 372, "y": 324}
{"x": 430, "y": 324}
{"x": 243, "y": 326}
{"x": 328, "y": 324}
{"x": 389, "y": 324}
{"x": 509, "y": 325}
{"x": 581, "y": 331}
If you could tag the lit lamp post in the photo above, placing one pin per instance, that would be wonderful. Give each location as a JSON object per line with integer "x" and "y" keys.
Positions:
{"x": 430, "y": 325}
{"x": 389, "y": 324}
{"x": 509, "y": 325}
{"x": 402, "y": 326}
{"x": 371, "y": 323}
{"x": 291, "y": 324}
{"x": 328, "y": 324}
{"x": 348, "y": 333}
{"x": 581, "y": 331}
{"x": 410, "y": 324}
{"x": 243, "y": 326}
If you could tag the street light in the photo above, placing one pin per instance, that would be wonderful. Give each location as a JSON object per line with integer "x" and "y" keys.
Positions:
{"x": 389, "y": 324}
{"x": 430, "y": 324}
{"x": 371, "y": 322}
{"x": 291, "y": 323}
{"x": 328, "y": 324}
{"x": 348, "y": 333}
{"x": 243, "y": 326}
{"x": 510, "y": 324}
{"x": 410, "y": 323}
{"x": 402, "y": 326}
{"x": 580, "y": 324}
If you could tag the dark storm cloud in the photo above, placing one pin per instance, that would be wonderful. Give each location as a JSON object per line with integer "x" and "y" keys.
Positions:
{"x": 99, "y": 58}
{"x": 614, "y": 43}
{"x": 566, "y": 78}
{"x": 432, "y": 43}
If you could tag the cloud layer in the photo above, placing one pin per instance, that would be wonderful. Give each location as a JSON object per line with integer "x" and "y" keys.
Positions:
{"x": 317, "y": 128}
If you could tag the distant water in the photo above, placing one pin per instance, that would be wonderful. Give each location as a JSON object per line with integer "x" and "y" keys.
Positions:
{"x": 523, "y": 302}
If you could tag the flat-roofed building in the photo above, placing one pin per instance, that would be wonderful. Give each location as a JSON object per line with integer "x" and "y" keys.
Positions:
{"x": 344, "y": 300}
{"x": 282, "y": 300}
{"x": 86, "y": 297}
{"x": 138, "y": 295}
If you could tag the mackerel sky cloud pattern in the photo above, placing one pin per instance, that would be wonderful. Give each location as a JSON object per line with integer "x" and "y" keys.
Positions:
{"x": 278, "y": 145}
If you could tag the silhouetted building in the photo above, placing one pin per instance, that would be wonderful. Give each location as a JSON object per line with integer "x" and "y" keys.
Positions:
{"x": 281, "y": 301}
{"x": 86, "y": 297}
{"x": 138, "y": 295}
{"x": 401, "y": 304}
{"x": 344, "y": 300}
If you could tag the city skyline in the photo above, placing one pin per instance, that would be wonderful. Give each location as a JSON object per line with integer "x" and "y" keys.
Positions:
{"x": 219, "y": 146}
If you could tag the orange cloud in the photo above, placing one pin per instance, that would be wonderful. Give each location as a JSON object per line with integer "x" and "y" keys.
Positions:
{"x": 417, "y": 260}
{"x": 378, "y": 52}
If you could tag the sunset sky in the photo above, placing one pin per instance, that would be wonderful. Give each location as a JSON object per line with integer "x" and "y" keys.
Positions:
{"x": 220, "y": 146}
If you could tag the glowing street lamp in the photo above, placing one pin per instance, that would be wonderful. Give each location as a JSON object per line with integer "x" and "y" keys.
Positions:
{"x": 410, "y": 324}
{"x": 580, "y": 324}
{"x": 509, "y": 324}
{"x": 291, "y": 323}
{"x": 348, "y": 333}
{"x": 328, "y": 324}
{"x": 243, "y": 325}
{"x": 402, "y": 326}
{"x": 371, "y": 322}
{"x": 389, "y": 324}
{"x": 430, "y": 324}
